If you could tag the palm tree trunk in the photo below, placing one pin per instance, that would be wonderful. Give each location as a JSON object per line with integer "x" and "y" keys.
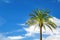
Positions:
{"x": 40, "y": 33}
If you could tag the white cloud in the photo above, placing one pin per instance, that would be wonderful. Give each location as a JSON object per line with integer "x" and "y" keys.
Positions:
{"x": 31, "y": 30}
{"x": 15, "y": 37}
{"x": 53, "y": 37}
{"x": 36, "y": 39}
{"x": 2, "y": 37}
{"x": 56, "y": 21}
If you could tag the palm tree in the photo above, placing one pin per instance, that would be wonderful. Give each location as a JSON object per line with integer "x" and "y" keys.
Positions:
{"x": 41, "y": 18}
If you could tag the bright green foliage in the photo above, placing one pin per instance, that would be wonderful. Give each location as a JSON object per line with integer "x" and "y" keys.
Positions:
{"x": 41, "y": 17}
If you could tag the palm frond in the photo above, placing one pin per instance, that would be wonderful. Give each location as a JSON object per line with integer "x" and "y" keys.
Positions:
{"x": 35, "y": 12}
{"x": 31, "y": 22}
{"x": 39, "y": 16}
{"x": 32, "y": 15}
{"x": 44, "y": 27}
{"x": 49, "y": 27}
{"x": 52, "y": 24}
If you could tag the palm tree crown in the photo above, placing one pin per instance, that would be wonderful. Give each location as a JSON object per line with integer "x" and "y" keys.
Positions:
{"x": 41, "y": 18}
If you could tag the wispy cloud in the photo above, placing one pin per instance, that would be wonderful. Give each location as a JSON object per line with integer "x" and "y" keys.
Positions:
{"x": 36, "y": 39}
{"x": 14, "y": 31}
{"x": 57, "y": 21}
{"x": 58, "y": 0}
{"x": 5, "y": 1}
{"x": 22, "y": 24}
{"x": 2, "y": 37}
{"x": 53, "y": 37}
{"x": 2, "y": 21}
{"x": 15, "y": 37}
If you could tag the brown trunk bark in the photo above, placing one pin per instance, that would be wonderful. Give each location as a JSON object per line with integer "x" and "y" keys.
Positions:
{"x": 40, "y": 33}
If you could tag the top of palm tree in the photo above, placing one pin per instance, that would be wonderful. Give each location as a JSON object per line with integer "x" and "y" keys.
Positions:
{"x": 42, "y": 18}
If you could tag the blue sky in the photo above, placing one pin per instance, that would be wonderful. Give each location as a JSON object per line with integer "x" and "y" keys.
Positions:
{"x": 14, "y": 13}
